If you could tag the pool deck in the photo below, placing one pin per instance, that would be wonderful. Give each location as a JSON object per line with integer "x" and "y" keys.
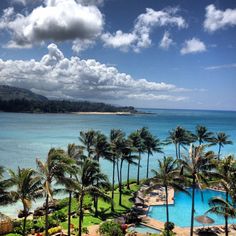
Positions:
{"x": 157, "y": 197}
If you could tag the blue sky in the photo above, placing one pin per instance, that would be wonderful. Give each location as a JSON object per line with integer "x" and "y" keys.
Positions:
{"x": 145, "y": 53}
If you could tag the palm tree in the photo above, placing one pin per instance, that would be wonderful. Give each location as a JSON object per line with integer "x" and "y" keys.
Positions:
{"x": 138, "y": 144}
{"x": 202, "y": 134}
{"x": 196, "y": 168}
{"x": 27, "y": 187}
{"x": 54, "y": 169}
{"x": 83, "y": 184}
{"x": 101, "y": 147}
{"x": 226, "y": 170}
{"x": 221, "y": 139}
{"x": 73, "y": 152}
{"x": 152, "y": 144}
{"x": 223, "y": 208}
{"x": 116, "y": 136}
{"x": 167, "y": 175}
{"x": 5, "y": 197}
{"x": 87, "y": 138}
{"x": 180, "y": 137}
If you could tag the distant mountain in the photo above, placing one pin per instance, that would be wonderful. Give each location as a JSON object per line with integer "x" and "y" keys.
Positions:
{"x": 8, "y": 93}
{"x": 14, "y": 99}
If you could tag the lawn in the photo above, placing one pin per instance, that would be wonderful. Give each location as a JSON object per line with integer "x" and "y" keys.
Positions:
{"x": 104, "y": 208}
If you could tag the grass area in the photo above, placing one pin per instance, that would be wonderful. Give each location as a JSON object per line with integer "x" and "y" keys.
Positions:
{"x": 104, "y": 208}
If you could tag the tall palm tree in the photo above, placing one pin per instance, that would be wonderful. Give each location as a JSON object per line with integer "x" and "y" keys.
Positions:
{"x": 167, "y": 175}
{"x": 101, "y": 147}
{"x": 138, "y": 144}
{"x": 226, "y": 170}
{"x": 27, "y": 187}
{"x": 196, "y": 168}
{"x": 87, "y": 138}
{"x": 54, "y": 169}
{"x": 221, "y": 140}
{"x": 82, "y": 184}
{"x": 180, "y": 137}
{"x": 202, "y": 134}
{"x": 152, "y": 144}
{"x": 224, "y": 208}
{"x": 5, "y": 197}
{"x": 116, "y": 137}
{"x": 73, "y": 152}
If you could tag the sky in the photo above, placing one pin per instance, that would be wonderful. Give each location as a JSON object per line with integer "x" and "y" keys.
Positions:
{"x": 145, "y": 53}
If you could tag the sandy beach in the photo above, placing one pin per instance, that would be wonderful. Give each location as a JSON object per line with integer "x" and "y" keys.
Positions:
{"x": 101, "y": 113}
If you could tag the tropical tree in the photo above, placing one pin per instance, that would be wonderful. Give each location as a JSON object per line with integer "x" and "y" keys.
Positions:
{"x": 226, "y": 170}
{"x": 75, "y": 153}
{"x": 87, "y": 139}
{"x": 26, "y": 188}
{"x": 4, "y": 185}
{"x": 196, "y": 168}
{"x": 180, "y": 137}
{"x": 221, "y": 140}
{"x": 116, "y": 137}
{"x": 52, "y": 171}
{"x": 101, "y": 147}
{"x": 137, "y": 141}
{"x": 152, "y": 144}
{"x": 167, "y": 175}
{"x": 224, "y": 208}
{"x": 83, "y": 183}
{"x": 202, "y": 134}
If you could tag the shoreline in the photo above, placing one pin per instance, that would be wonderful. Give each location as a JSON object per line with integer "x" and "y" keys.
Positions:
{"x": 102, "y": 113}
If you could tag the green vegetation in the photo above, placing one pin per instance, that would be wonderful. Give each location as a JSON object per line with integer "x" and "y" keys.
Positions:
{"x": 92, "y": 199}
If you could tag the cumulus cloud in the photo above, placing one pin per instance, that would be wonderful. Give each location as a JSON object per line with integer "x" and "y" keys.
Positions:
{"x": 166, "y": 41}
{"x": 70, "y": 20}
{"x": 193, "y": 45}
{"x": 218, "y": 19}
{"x": 26, "y": 2}
{"x": 139, "y": 37}
{"x": 56, "y": 76}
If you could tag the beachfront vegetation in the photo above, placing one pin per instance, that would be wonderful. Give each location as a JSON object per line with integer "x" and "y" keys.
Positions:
{"x": 92, "y": 199}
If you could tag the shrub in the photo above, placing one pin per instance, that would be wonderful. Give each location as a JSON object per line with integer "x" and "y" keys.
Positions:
{"x": 54, "y": 230}
{"x": 169, "y": 226}
{"x": 109, "y": 228}
{"x": 59, "y": 216}
{"x": 85, "y": 230}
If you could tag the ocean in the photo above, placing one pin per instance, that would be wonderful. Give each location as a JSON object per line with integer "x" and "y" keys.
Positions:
{"x": 23, "y": 137}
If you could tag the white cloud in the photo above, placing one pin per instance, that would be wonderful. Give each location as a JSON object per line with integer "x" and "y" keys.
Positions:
{"x": 26, "y": 2}
{"x": 166, "y": 41}
{"x": 217, "y": 19}
{"x": 56, "y": 76}
{"x": 139, "y": 37}
{"x": 70, "y": 20}
{"x": 225, "y": 66}
{"x": 193, "y": 45}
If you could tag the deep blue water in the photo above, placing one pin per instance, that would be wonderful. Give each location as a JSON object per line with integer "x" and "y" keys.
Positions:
{"x": 23, "y": 137}
{"x": 180, "y": 212}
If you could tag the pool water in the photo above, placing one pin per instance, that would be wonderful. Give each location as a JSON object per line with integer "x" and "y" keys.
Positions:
{"x": 180, "y": 212}
{"x": 143, "y": 229}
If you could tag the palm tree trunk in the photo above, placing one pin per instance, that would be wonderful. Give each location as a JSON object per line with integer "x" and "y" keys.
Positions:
{"x": 81, "y": 214}
{"x": 138, "y": 173}
{"x": 117, "y": 169}
{"x": 179, "y": 150}
{"x": 69, "y": 213}
{"x": 176, "y": 151}
{"x": 226, "y": 216}
{"x": 24, "y": 223}
{"x": 113, "y": 183}
{"x": 46, "y": 217}
{"x": 120, "y": 183}
{"x": 167, "y": 211}
{"x": 219, "y": 152}
{"x": 193, "y": 203}
{"x": 128, "y": 187}
{"x": 147, "y": 165}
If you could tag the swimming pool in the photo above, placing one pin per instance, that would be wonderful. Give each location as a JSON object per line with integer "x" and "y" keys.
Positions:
{"x": 180, "y": 212}
{"x": 143, "y": 229}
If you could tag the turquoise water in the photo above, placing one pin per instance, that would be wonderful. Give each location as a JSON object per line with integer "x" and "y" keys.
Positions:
{"x": 23, "y": 137}
{"x": 180, "y": 212}
{"x": 143, "y": 229}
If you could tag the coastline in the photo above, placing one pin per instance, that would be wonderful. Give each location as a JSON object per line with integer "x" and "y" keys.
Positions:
{"x": 101, "y": 113}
